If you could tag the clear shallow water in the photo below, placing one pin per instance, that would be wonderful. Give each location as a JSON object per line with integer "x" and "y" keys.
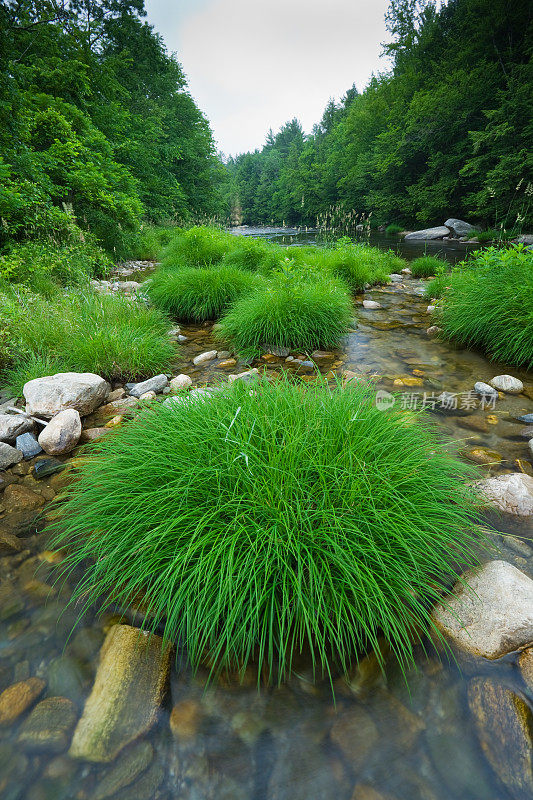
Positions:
{"x": 292, "y": 742}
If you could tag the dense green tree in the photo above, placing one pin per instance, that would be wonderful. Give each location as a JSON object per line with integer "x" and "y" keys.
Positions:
{"x": 447, "y": 131}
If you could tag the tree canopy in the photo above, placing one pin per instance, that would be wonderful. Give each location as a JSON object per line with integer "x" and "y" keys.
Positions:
{"x": 447, "y": 131}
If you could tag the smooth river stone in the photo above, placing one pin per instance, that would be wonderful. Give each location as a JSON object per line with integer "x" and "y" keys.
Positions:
{"x": 62, "y": 433}
{"x": 504, "y": 724}
{"x": 492, "y": 614}
{"x": 155, "y": 384}
{"x": 9, "y": 455}
{"x": 508, "y": 384}
{"x": 18, "y": 697}
{"x": 48, "y": 726}
{"x": 128, "y": 689}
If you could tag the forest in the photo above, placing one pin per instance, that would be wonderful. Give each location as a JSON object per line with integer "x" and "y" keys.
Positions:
{"x": 446, "y": 132}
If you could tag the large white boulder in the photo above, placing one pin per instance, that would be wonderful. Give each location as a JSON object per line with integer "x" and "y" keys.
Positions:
{"x": 506, "y": 383}
{"x": 490, "y": 611}
{"x": 510, "y": 493}
{"x": 459, "y": 227}
{"x": 62, "y": 433}
{"x": 429, "y": 233}
{"x": 83, "y": 391}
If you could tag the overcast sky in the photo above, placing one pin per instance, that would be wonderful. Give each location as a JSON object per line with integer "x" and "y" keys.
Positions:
{"x": 254, "y": 65}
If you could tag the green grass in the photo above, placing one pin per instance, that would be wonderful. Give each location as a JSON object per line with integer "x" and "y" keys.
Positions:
{"x": 83, "y": 332}
{"x": 427, "y": 266}
{"x": 44, "y": 267}
{"x": 355, "y": 264}
{"x": 438, "y": 286}
{"x": 393, "y": 229}
{"x": 254, "y": 254}
{"x": 488, "y": 304}
{"x": 259, "y": 525}
{"x": 290, "y": 311}
{"x": 197, "y": 247}
{"x": 197, "y": 294}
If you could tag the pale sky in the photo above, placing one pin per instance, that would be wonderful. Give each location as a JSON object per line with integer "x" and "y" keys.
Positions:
{"x": 254, "y": 65}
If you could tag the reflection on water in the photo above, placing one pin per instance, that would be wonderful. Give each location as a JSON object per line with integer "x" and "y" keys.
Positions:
{"x": 379, "y": 740}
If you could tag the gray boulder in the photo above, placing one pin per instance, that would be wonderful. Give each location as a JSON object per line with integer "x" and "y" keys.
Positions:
{"x": 62, "y": 433}
{"x": 12, "y": 425}
{"x": 9, "y": 455}
{"x": 459, "y": 227}
{"x": 155, "y": 384}
{"x": 525, "y": 238}
{"x": 429, "y": 233}
{"x": 83, "y": 391}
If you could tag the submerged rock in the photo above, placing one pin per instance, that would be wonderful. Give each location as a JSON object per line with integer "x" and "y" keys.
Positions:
{"x": 490, "y": 612}
{"x": 504, "y": 725}
{"x": 47, "y": 466}
{"x": 429, "y": 233}
{"x": 62, "y": 433}
{"x": 510, "y": 493}
{"x": 371, "y": 304}
{"x": 12, "y": 425}
{"x": 355, "y": 733}
{"x": 18, "y": 697}
{"x": 47, "y": 396}
{"x": 203, "y": 358}
{"x": 508, "y": 384}
{"x": 127, "y": 769}
{"x": 525, "y": 662}
{"x": 526, "y": 418}
{"x": 127, "y": 692}
{"x": 18, "y": 498}
{"x": 48, "y": 726}
{"x": 9, "y": 456}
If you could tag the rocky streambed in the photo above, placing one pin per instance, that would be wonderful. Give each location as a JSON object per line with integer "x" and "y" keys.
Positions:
{"x": 90, "y": 710}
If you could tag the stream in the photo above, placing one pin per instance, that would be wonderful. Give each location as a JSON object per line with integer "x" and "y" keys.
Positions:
{"x": 380, "y": 737}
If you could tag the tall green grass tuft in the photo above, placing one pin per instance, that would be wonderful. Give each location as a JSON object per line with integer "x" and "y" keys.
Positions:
{"x": 197, "y": 247}
{"x": 83, "y": 332}
{"x": 488, "y": 304}
{"x": 427, "y": 266}
{"x": 393, "y": 229}
{"x": 256, "y": 526}
{"x": 197, "y": 294}
{"x": 290, "y": 311}
{"x": 357, "y": 265}
{"x": 254, "y": 254}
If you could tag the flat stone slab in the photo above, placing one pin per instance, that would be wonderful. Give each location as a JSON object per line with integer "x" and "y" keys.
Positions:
{"x": 430, "y": 233}
{"x": 128, "y": 689}
{"x": 493, "y": 614}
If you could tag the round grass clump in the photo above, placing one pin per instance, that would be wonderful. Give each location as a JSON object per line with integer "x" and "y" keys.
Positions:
{"x": 255, "y": 526}
{"x": 255, "y": 255}
{"x": 294, "y": 311}
{"x": 355, "y": 264}
{"x": 197, "y": 247}
{"x": 198, "y": 294}
{"x": 427, "y": 266}
{"x": 488, "y": 304}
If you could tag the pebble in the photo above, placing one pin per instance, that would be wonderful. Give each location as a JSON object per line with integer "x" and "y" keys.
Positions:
{"x": 28, "y": 445}
{"x": 116, "y": 394}
{"x": 203, "y": 358}
{"x": 18, "y": 697}
{"x": 49, "y": 725}
{"x": 430, "y": 309}
{"x": 482, "y": 455}
{"x": 62, "y": 433}
{"x": 180, "y": 382}
{"x": 248, "y": 376}
{"x": 508, "y": 384}
{"x": 433, "y": 330}
{"x": 19, "y": 498}
{"x": 371, "y": 305}
{"x": 148, "y": 396}
{"x": 9, "y": 456}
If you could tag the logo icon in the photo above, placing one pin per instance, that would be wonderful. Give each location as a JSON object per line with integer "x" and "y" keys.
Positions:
{"x": 384, "y": 400}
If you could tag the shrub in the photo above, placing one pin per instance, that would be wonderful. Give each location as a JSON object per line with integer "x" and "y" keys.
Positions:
{"x": 41, "y": 264}
{"x": 84, "y": 332}
{"x": 201, "y": 293}
{"x": 488, "y": 304}
{"x": 393, "y": 229}
{"x": 257, "y": 525}
{"x": 426, "y": 266}
{"x": 288, "y": 311}
{"x": 197, "y": 247}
